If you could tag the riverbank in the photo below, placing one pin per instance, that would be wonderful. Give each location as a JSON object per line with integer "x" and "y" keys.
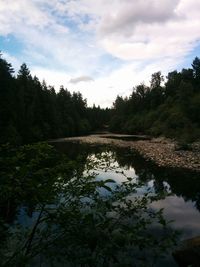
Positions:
{"x": 162, "y": 151}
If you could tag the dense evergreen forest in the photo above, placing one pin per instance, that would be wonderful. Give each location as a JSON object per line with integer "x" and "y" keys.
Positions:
{"x": 171, "y": 109}
{"x": 32, "y": 111}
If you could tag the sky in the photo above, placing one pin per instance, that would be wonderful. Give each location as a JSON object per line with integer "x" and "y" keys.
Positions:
{"x": 102, "y": 48}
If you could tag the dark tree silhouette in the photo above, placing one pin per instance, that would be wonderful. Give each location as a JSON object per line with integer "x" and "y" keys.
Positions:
{"x": 31, "y": 111}
{"x": 172, "y": 109}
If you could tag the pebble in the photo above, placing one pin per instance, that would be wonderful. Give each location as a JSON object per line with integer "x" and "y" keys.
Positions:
{"x": 159, "y": 150}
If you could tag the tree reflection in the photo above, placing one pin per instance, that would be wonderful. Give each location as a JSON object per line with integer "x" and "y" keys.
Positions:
{"x": 183, "y": 183}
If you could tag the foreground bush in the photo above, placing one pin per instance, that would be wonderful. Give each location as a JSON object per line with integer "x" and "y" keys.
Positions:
{"x": 70, "y": 217}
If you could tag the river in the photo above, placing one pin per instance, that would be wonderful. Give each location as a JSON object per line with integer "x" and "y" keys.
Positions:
{"x": 182, "y": 205}
{"x": 180, "y": 191}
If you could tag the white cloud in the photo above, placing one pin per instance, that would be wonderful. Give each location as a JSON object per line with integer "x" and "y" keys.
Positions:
{"x": 151, "y": 29}
{"x": 44, "y": 35}
{"x": 20, "y": 13}
{"x": 139, "y": 29}
{"x": 126, "y": 29}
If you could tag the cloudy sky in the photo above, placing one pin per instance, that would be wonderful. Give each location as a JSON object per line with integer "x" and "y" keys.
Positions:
{"x": 101, "y": 48}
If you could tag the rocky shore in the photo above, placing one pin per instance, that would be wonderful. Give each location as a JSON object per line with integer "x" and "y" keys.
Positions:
{"x": 164, "y": 152}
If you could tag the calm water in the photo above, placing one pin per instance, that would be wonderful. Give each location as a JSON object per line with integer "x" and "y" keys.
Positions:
{"x": 183, "y": 204}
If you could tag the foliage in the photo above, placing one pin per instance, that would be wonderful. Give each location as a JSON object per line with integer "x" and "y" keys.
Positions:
{"x": 171, "y": 109}
{"x": 31, "y": 111}
{"x": 75, "y": 218}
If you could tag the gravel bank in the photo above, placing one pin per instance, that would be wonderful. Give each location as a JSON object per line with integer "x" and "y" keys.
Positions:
{"x": 162, "y": 151}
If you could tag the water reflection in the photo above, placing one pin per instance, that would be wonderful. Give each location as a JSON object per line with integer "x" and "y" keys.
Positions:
{"x": 183, "y": 206}
{"x": 185, "y": 217}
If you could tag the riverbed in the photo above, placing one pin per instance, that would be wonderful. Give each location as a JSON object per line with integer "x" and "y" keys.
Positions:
{"x": 162, "y": 151}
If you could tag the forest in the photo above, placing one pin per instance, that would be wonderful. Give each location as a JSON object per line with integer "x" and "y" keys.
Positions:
{"x": 170, "y": 108}
{"x": 32, "y": 111}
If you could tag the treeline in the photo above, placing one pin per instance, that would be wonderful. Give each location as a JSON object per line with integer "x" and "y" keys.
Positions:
{"x": 32, "y": 111}
{"x": 171, "y": 109}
